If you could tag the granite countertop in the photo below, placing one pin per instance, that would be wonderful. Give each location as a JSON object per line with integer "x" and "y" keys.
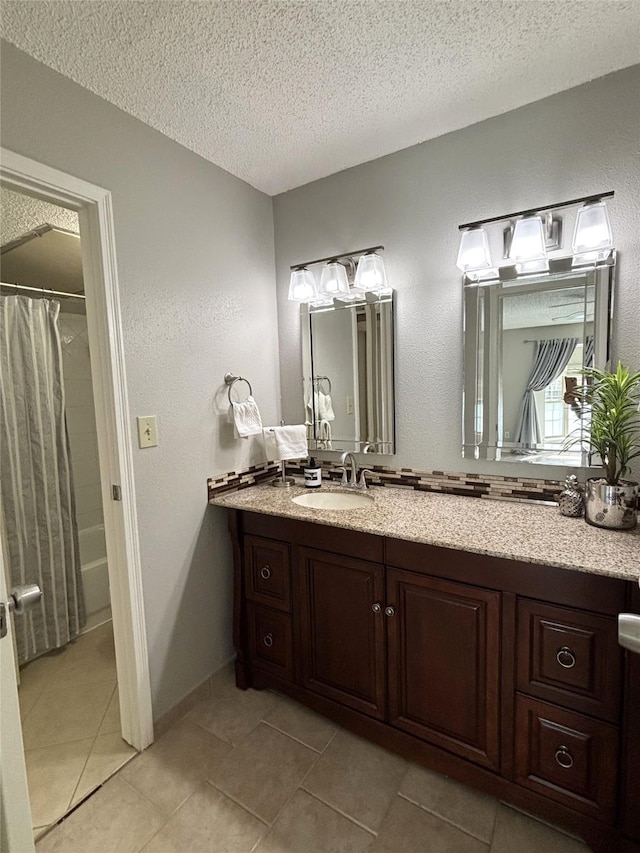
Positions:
{"x": 517, "y": 531}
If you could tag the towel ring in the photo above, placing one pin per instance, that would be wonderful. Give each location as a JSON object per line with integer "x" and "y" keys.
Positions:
{"x": 230, "y": 380}
{"x": 319, "y": 379}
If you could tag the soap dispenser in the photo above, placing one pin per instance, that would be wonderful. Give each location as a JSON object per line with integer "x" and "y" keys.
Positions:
{"x": 312, "y": 474}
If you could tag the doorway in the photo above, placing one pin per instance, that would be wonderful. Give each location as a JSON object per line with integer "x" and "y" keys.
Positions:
{"x": 109, "y": 649}
{"x": 68, "y": 690}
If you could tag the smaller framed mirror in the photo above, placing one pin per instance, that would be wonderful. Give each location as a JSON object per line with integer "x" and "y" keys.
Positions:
{"x": 348, "y": 364}
{"x": 526, "y": 343}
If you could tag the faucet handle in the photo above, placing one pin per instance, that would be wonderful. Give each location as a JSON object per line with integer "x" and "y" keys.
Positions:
{"x": 363, "y": 479}
{"x": 344, "y": 481}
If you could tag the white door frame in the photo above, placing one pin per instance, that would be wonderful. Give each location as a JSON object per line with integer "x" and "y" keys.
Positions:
{"x": 95, "y": 212}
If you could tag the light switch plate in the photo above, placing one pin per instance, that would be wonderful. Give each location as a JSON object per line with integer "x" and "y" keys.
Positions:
{"x": 147, "y": 431}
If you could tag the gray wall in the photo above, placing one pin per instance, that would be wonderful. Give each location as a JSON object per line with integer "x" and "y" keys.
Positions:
{"x": 196, "y": 270}
{"x": 581, "y": 141}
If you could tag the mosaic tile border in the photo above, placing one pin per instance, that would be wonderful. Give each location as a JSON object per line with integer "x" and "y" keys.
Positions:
{"x": 454, "y": 483}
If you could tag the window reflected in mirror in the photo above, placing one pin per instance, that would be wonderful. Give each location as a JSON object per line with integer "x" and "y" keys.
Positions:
{"x": 527, "y": 342}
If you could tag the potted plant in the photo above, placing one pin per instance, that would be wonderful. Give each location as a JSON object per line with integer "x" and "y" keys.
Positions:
{"x": 609, "y": 401}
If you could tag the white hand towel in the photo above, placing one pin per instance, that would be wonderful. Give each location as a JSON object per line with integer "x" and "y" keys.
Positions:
{"x": 325, "y": 407}
{"x": 291, "y": 441}
{"x": 245, "y": 418}
{"x": 270, "y": 447}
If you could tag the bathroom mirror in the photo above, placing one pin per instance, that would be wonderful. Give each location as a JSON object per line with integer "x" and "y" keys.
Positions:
{"x": 348, "y": 374}
{"x": 526, "y": 341}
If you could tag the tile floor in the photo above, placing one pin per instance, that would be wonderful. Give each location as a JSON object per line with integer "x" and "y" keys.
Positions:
{"x": 253, "y": 771}
{"x": 70, "y": 724}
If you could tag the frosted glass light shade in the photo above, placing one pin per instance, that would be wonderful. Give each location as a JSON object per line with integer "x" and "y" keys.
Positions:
{"x": 302, "y": 286}
{"x": 528, "y": 243}
{"x": 473, "y": 253}
{"x": 370, "y": 274}
{"x": 592, "y": 236}
{"x": 531, "y": 267}
{"x": 333, "y": 281}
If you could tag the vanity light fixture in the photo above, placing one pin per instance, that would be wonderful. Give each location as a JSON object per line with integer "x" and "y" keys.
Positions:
{"x": 528, "y": 248}
{"x": 302, "y": 286}
{"x": 333, "y": 280}
{"x": 340, "y": 278}
{"x": 473, "y": 254}
{"x": 531, "y": 235}
{"x": 370, "y": 274}
{"x": 592, "y": 238}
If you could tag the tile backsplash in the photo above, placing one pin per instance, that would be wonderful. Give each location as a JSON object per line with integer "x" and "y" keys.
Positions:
{"x": 451, "y": 483}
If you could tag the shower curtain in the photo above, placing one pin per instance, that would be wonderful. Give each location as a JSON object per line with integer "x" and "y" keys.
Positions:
{"x": 37, "y": 493}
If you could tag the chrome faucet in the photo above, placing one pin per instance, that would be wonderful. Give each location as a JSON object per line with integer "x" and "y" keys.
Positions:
{"x": 354, "y": 469}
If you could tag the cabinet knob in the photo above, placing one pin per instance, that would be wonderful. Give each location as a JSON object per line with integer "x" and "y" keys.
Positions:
{"x": 268, "y": 640}
{"x": 377, "y": 607}
{"x": 566, "y": 657}
{"x": 265, "y": 573}
{"x": 563, "y": 757}
{"x": 389, "y": 611}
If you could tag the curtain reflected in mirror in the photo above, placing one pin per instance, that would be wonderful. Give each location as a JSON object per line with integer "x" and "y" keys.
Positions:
{"x": 348, "y": 376}
{"x": 527, "y": 343}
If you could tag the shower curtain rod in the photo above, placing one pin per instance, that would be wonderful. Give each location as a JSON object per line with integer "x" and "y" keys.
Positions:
{"x": 44, "y": 291}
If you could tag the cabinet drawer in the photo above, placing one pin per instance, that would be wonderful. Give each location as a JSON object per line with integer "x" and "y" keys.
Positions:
{"x": 566, "y": 757}
{"x": 569, "y": 657}
{"x": 270, "y": 645}
{"x": 267, "y": 577}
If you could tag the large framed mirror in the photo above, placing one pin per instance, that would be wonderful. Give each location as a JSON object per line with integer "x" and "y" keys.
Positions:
{"x": 348, "y": 364}
{"x": 526, "y": 343}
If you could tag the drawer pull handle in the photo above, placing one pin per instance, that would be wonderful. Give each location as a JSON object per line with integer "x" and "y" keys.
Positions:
{"x": 389, "y": 611}
{"x": 377, "y": 608}
{"x": 268, "y": 640}
{"x": 566, "y": 657}
{"x": 563, "y": 758}
{"x": 265, "y": 573}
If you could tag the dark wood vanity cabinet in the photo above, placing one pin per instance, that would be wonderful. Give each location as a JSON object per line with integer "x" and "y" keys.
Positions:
{"x": 342, "y": 637}
{"x": 443, "y": 642}
{"x": 504, "y": 675}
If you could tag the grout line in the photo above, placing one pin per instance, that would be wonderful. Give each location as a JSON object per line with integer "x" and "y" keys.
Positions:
{"x": 448, "y": 820}
{"x": 340, "y": 812}
{"x": 238, "y": 803}
{"x": 291, "y": 737}
{"x": 151, "y": 803}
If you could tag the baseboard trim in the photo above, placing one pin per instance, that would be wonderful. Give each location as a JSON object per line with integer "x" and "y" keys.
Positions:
{"x": 180, "y": 710}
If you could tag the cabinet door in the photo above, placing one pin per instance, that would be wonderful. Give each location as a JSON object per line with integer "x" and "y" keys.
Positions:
{"x": 444, "y": 654}
{"x": 342, "y": 636}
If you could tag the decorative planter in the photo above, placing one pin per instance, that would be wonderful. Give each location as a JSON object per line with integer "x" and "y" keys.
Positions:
{"x": 613, "y": 507}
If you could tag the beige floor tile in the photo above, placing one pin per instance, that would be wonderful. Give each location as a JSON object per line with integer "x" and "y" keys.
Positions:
{"x": 89, "y": 659}
{"x": 470, "y": 810}
{"x": 306, "y": 824}
{"x": 40, "y": 673}
{"x": 111, "y": 721}
{"x": 302, "y": 724}
{"x": 357, "y": 778}
{"x": 116, "y": 819}
{"x": 409, "y": 829}
{"x": 53, "y": 773}
{"x": 27, "y": 699}
{"x": 263, "y": 773}
{"x": 207, "y": 822}
{"x": 516, "y": 831}
{"x": 63, "y": 714}
{"x": 38, "y": 831}
{"x": 232, "y": 714}
{"x": 108, "y": 753}
{"x": 170, "y": 770}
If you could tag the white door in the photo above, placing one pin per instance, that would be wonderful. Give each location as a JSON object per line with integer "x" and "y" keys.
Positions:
{"x": 16, "y": 833}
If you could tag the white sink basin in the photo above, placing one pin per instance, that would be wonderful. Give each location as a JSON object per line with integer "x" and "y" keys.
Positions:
{"x": 334, "y": 500}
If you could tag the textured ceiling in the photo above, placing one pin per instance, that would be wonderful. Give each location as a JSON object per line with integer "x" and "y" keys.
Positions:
{"x": 20, "y": 213}
{"x": 282, "y": 93}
